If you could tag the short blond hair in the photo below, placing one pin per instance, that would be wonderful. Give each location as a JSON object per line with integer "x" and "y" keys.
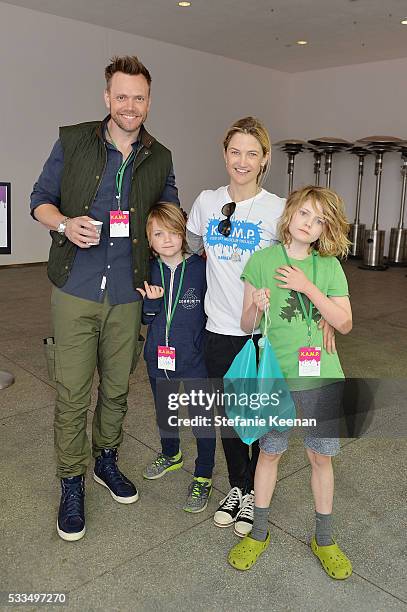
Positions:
{"x": 334, "y": 238}
{"x": 253, "y": 127}
{"x": 170, "y": 217}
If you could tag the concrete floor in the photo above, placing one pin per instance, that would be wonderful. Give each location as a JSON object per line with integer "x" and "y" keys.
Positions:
{"x": 152, "y": 555}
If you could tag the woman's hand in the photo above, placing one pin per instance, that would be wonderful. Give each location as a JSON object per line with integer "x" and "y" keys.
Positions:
{"x": 328, "y": 336}
{"x": 152, "y": 292}
{"x": 293, "y": 278}
{"x": 261, "y": 298}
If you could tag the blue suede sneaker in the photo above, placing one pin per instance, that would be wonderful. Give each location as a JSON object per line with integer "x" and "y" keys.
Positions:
{"x": 71, "y": 515}
{"x": 108, "y": 474}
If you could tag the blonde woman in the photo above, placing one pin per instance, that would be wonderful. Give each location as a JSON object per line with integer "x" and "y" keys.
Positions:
{"x": 231, "y": 223}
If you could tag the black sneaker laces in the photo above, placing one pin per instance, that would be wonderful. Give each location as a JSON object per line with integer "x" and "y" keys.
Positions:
{"x": 233, "y": 498}
{"x": 246, "y": 510}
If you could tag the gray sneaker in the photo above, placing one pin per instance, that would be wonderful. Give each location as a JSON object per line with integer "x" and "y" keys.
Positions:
{"x": 199, "y": 492}
{"x": 161, "y": 465}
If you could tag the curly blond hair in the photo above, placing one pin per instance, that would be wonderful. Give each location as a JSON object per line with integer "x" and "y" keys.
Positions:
{"x": 333, "y": 240}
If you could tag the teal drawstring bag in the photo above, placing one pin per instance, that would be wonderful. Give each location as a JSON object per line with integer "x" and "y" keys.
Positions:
{"x": 271, "y": 381}
{"x": 240, "y": 384}
{"x": 244, "y": 364}
{"x": 253, "y": 397}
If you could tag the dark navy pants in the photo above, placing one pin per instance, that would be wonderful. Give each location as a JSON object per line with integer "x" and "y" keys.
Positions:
{"x": 204, "y": 431}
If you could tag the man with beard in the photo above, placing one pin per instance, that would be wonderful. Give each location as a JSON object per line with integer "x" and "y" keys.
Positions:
{"x": 109, "y": 171}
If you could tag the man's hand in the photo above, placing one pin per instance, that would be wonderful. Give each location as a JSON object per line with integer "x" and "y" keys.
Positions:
{"x": 328, "y": 335}
{"x": 81, "y": 232}
{"x": 152, "y": 292}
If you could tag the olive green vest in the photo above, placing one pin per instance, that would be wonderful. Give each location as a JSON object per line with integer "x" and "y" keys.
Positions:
{"x": 85, "y": 158}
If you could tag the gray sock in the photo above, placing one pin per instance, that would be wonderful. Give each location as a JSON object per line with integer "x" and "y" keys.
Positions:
{"x": 323, "y": 531}
{"x": 260, "y": 524}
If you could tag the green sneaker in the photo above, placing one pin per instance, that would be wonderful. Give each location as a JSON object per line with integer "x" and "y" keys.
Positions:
{"x": 163, "y": 464}
{"x": 199, "y": 492}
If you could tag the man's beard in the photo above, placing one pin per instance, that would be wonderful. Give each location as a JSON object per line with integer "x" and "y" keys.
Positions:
{"x": 123, "y": 126}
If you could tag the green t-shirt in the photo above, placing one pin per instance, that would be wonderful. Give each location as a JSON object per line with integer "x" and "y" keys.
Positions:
{"x": 287, "y": 330}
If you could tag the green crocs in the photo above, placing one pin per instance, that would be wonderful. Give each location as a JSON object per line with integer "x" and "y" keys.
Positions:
{"x": 333, "y": 560}
{"x": 245, "y": 553}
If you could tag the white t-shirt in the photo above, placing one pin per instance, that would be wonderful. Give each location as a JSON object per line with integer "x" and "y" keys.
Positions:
{"x": 254, "y": 227}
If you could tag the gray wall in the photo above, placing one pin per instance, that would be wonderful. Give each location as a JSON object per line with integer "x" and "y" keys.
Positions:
{"x": 52, "y": 74}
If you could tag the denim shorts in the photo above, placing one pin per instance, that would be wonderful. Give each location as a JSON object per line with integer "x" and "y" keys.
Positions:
{"x": 324, "y": 404}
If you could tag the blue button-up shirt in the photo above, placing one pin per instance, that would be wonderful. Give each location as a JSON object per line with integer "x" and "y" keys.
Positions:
{"x": 108, "y": 266}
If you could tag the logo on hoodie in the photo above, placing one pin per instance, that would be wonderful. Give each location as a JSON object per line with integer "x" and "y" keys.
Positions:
{"x": 189, "y": 300}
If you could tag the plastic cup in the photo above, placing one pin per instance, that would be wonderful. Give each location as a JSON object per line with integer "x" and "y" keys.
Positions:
{"x": 98, "y": 226}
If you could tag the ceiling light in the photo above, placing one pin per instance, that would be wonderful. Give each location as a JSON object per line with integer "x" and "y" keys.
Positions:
{"x": 403, "y": 21}
{"x": 302, "y": 42}
{"x": 184, "y": 4}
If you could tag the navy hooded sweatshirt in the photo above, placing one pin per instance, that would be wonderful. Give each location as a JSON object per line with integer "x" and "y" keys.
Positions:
{"x": 187, "y": 329}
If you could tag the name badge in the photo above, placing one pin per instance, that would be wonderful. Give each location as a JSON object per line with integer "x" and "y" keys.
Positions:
{"x": 119, "y": 224}
{"x": 309, "y": 361}
{"x": 166, "y": 358}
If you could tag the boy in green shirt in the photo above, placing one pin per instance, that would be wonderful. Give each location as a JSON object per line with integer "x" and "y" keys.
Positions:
{"x": 294, "y": 284}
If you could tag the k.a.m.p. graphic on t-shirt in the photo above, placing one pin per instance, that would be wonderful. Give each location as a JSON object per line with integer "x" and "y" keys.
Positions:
{"x": 244, "y": 235}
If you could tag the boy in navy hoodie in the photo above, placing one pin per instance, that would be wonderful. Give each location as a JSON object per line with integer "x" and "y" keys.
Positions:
{"x": 173, "y": 309}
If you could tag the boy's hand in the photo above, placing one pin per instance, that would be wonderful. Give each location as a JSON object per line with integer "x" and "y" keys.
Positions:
{"x": 293, "y": 278}
{"x": 152, "y": 292}
{"x": 261, "y": 298}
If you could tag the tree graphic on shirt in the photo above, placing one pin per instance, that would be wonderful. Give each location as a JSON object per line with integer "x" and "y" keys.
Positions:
{"x": 293, "y": 309}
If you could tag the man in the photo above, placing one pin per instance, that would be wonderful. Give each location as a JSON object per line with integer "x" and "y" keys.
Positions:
{"x": 111, "y": 171}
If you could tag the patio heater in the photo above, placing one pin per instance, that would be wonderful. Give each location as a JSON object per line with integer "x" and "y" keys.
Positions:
{"x": 291, "y": 148}
{"x": 373, "y": 246}
{"x": 398, "y": 235}
{"x": 328, "y": 145}
{"x": 357, "y": 229}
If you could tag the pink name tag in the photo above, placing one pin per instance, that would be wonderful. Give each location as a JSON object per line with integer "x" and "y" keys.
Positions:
{"x": 309, "y": 361}
{"x": 166, "y": 358}
{"x": 119, "y": 224}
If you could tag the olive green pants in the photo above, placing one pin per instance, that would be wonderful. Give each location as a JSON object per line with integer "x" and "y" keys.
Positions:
{"x": 89, "y": 335}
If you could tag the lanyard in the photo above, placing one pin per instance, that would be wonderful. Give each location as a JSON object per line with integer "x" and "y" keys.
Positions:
{"x": 121, "y": 171}
{"x": 119, "y": 177}
{"x": 170, "y": 313}
{"x": 307, "y": 316}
